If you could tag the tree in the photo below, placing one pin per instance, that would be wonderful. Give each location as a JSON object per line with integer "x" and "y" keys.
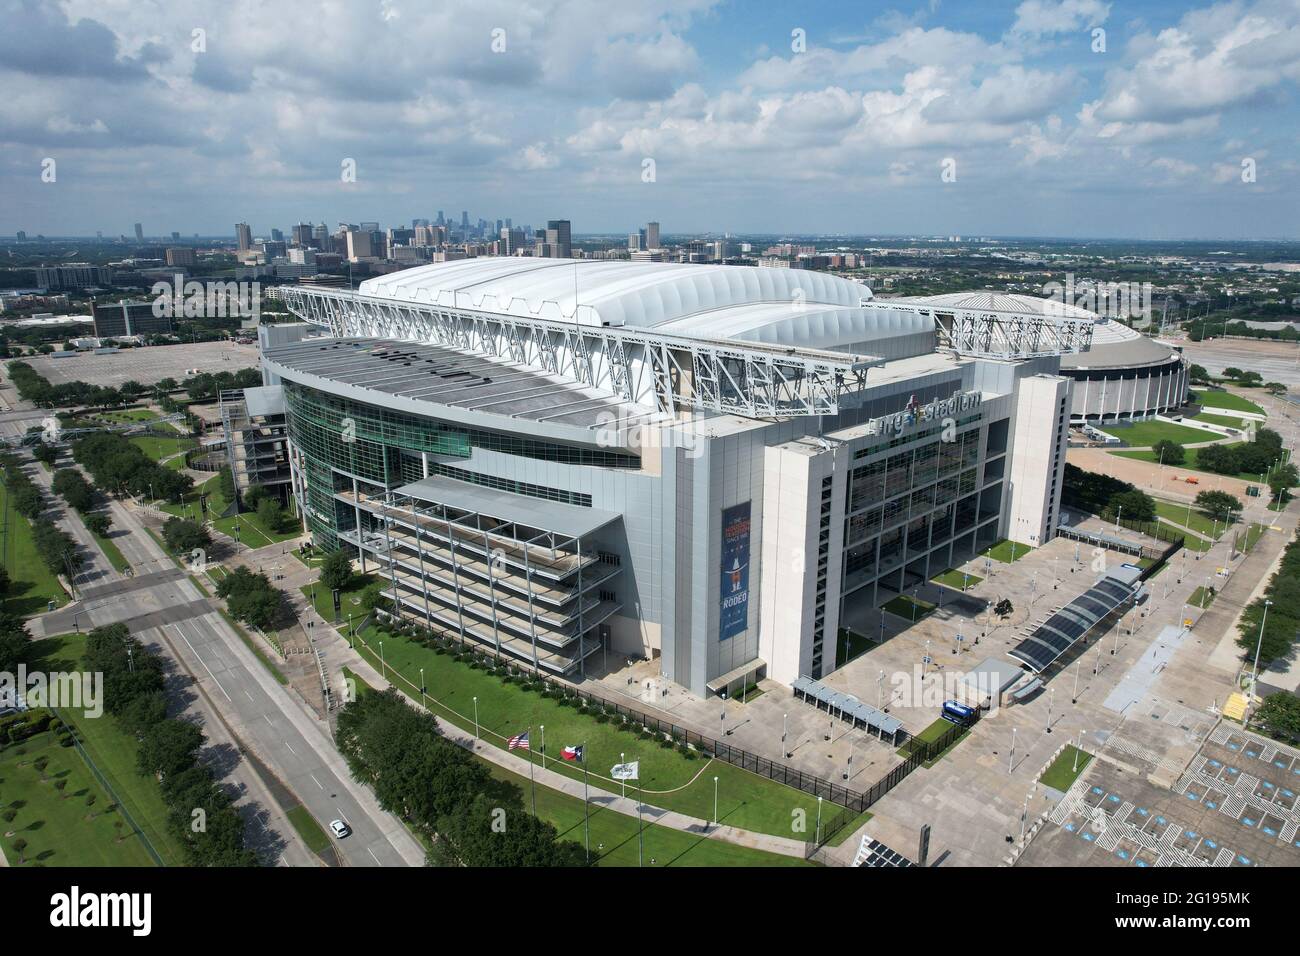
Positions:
{"x": 270, "y": 514}
{"x": 98, "y": 523}
{"x": 1275, "y": 388}
{"x": 1282, "y": 479}
{"x": 254, "y": 496}
{"x": 1169, "y": 452}
{"x": 183, "y": 536}
{"x": 1003, "y": 608}
{"x": 44, "y": 453}
{"x": 336, "y": 569}
{"x": 1134, "y": 505}
{"x": 1232, "y": 372}
{"x": 169, "y": 747}
{"x": 1220, "y": 459}
{"x": 28, "y": 501}
{"x": 1219, "y": 505}
{"x": 1279, "y": 715}
{"x": 4, "y": 582}
{"x": 1198, "y": 374}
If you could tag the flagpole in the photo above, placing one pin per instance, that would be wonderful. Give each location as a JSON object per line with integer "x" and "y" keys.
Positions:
{"x": 586, "y": 806}
{"x": 640, "y": 843}
{"x": 532, "y": 784}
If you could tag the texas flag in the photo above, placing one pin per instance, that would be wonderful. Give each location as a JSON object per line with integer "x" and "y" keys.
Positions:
{"x": 572, "y": 753}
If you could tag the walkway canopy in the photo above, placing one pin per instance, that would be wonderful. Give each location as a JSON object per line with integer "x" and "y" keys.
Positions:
{"x": 846, "y": 707}
{"x": 1116, "y": 590}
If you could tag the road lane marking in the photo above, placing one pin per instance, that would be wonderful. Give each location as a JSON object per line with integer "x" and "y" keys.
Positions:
{"x": 315, "y": 781}
{"x": 201, "y": 661}
{"x": 290, "y": 746}
{"x": 373, "y": 857}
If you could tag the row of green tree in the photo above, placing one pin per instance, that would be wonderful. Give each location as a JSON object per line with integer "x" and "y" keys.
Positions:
{"x": 1199, "y": 329}
{"x": 72, "y": 486}
{"x": 440, "y": 789}
{"x": 36, "y": 388}
{"x": 1282, "y": 625}
{"x": 118, "y": 465}
{"x": 1257, "y": 457}
{"x": 24, "y": 496}
{"x": 200, "y": 814}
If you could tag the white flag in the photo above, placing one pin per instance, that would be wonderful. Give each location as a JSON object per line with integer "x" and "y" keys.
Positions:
{"x": 625, "y": 771}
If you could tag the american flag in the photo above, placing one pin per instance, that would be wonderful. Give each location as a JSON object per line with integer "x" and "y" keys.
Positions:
{"x": 519, "y": 740}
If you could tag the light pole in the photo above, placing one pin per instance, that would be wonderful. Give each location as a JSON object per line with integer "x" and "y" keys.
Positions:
{"x": 1254, "y": 671}
{"x": 422, "y": 703}
{"x": 1011, "y": 757}
{"x": 383, "y": 668}
{"x": 819, "y": 821}
{"x": 1119, "y": 513}
{"x": 476, "y": 718}
{"x": 880, "y": 692}
{"x": 1051, "y": 702}
{"x": 622, "y": 758}
{"x": 785, "y": 728}
{"x": 1074, "y": 696}
{"x": 1077, "y": 748}
{"x": 715, "y": 801}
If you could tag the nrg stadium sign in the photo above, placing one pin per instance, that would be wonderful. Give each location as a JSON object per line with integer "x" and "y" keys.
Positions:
{"x": 913, "y": 413}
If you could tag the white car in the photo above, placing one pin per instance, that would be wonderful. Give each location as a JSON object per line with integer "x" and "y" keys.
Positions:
{"x": 340, "y": 828}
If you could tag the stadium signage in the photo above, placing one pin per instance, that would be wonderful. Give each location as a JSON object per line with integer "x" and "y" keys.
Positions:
{"x": 914, "y": 412}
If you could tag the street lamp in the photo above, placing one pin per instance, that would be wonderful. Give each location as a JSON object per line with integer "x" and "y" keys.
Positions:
{"x": 715, "y": 801}
{"x": 1254, "y": 671}
{"x": 422, "y": 704}
{"x": 476, "y": 718}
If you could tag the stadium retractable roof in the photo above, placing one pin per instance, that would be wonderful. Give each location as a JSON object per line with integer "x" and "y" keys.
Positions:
{"x": 1059, "y": 632}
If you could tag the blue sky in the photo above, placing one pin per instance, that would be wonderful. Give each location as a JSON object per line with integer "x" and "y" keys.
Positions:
{"x": 192, "y": 115}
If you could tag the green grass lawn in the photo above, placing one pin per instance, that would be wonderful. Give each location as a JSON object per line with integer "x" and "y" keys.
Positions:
{"x": 1144, "y": 434}
{"x": 1198, "y": 522}
{"x": 1223, "y": 421}
{"x": 31, "y": 585}
{"x": 349, "y": 599}
{"x": 1062, "y": 773}
{"x": 1006, "y": 551}
{"x": 55, "y": 823}
{"x": 1211, "y": 399}
{"x": 850, "y": 644}
{"x": 929, "y": 736}
{"x": 253, "y": 533}
{"x": 312, "y": 833}
{"x": 126, "y": 415}
{"x": 189, "y": 507}
{"x": 1193, "y": 462}
{"x": 159, "y": 447}
{"x": 671, "y": 779}
{"x": 613, "y": 835}
{"x": 907, "y": 607}
{"x": 957, "y": 580}
{"x": 1251, "y": 537}
{"x": 113, "y": 753}
{"x": 110, "y": 548}
{"x": 1199, "y": 595}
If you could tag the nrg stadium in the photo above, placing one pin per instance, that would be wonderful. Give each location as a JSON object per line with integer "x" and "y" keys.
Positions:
{"x": 714, "y": 467}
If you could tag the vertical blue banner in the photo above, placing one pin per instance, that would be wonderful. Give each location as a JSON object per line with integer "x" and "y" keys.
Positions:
{"x": 734, "y": 600}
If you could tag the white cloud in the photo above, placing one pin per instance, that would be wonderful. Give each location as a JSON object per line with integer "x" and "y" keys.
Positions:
{"x": 1038, "y": 18}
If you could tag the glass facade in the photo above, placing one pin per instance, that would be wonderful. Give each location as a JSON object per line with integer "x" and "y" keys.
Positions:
{"x": 337, "y": 438}
{"x": 906, "y": 497}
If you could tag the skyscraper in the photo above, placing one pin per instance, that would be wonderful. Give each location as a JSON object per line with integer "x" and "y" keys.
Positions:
{"x": 556, "y": 242}
{"x": 652, "y": 235}
{"x": 244, "y": 235}
{"x": 139, "y": 233}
